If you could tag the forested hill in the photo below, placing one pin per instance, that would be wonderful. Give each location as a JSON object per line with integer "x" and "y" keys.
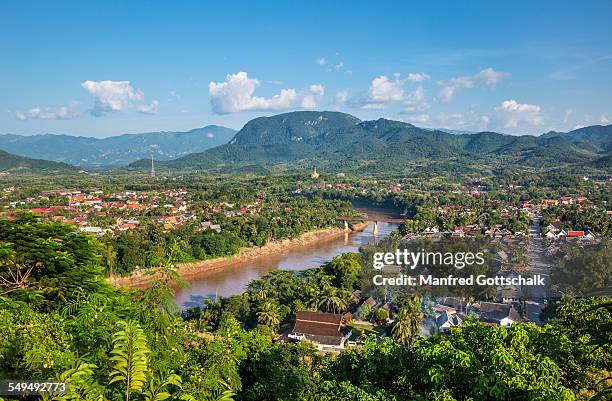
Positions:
{"x": 339, "y": 141}
{"x": 116, "y": 150}
{"x": 9, "y": 161}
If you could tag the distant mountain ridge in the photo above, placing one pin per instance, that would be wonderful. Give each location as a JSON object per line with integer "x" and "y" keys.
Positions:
{"x": 343, "y": 142}
{"x": 9, "y": 162}
{"x": 116, "y": 150}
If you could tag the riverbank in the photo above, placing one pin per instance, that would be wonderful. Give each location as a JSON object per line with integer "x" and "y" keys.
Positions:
{"x": 192, "y": 271}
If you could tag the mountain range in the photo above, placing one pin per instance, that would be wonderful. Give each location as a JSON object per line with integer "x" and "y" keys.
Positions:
{"x": 342, "y": 142}
{"x": 116, "y": 150}
{"x": 9, "y": 162}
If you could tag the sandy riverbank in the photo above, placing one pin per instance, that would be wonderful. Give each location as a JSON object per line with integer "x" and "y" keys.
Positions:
{"x": 191, "y": 271}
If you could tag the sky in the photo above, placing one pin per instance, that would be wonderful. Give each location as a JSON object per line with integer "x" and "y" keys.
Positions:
{"x": 102, "y": 68}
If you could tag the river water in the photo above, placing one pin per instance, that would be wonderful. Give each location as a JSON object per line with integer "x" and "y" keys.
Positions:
{"x": 232, "y": 280}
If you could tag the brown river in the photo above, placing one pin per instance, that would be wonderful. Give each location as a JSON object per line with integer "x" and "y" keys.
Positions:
{"x": 233, "y": 279}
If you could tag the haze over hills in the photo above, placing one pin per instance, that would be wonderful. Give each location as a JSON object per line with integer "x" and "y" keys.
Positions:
{"x": 343, "y": 142}
{"x": 9, "y": 161}
{"x": 116, "y": 150}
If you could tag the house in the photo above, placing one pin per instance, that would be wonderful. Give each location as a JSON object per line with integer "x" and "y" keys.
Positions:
{"x": 371, "y": 302}
{"x": 509, "y": 294}
{"x": 575, "y": 234}
{"x": 501, "y": 314}
{"x": 551, "y": 235}
{"x": 457, "y": 304}
{"x": 446, "y": 320}
{"x": 325, "y": 330}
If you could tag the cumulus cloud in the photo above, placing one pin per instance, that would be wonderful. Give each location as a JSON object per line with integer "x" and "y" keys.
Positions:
{"x": 514, "y": 114}
{"x": 236, "y": 94}
{"x": 484, "y": 78}
{"x": 60, "y": 113}
{"x": 604, "y": 119}
{"x": 384, "y": 91}
{"x": 116, "y": 96}
{"x": 309, "y": 99}
{"x": 321, "y": 61}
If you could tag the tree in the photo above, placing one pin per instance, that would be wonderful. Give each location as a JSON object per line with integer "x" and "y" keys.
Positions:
{"x": 407, "y": 322}
{"x": 47, "y": 258}
{"x": 268, "y": 315}
{"x": 345, "y": 270}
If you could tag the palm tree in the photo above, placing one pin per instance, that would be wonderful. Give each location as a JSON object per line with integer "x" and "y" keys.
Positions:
{"x": 260, "y": 289}
{"x": 333, "y": 300}
{"x": 407, "y": 323}
{"x": 268, "y": 316}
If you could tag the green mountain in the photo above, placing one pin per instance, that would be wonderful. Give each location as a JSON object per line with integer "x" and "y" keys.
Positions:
{"x": 117, "y": 150}
{"x": 9, "y": 161}
{"x": 299, "y": 126}
{"x": 338, "y": 141}
{"x": 597, "y": 138}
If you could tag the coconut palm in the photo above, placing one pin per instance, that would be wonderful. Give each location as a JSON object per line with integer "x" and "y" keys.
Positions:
{"x": 407, "y": 324}
{"x": 333, "y": 300}
{"x": 269, "y": 315}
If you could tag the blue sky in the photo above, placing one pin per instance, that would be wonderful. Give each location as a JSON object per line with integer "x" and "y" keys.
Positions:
{"x": 105, "y": 68}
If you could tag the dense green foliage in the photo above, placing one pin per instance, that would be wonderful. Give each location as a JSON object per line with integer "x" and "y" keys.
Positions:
{"x": 58, "y": 318}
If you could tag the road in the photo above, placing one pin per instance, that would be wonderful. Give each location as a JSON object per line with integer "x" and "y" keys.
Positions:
{"x": 538, "y": 263}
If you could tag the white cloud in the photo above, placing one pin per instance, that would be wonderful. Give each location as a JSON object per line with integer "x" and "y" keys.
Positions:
{"x": 415, "y": 101}
{"x": 60, "y": 113}
{"x": 341, "y": 97}
{"x": 116, "y": 96}
{"x": 235, "y": 94}
{"x": 604, "y": 119}
{"x": 321, "y": 61}
{"x": 487, "y": 77}
{"x": 309, "y": 99}
{"x": 148, "y": 108}
{"x": 382, "y": 89}
{"x": 514, "y": 114}
{"x": 418, "y": 77}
